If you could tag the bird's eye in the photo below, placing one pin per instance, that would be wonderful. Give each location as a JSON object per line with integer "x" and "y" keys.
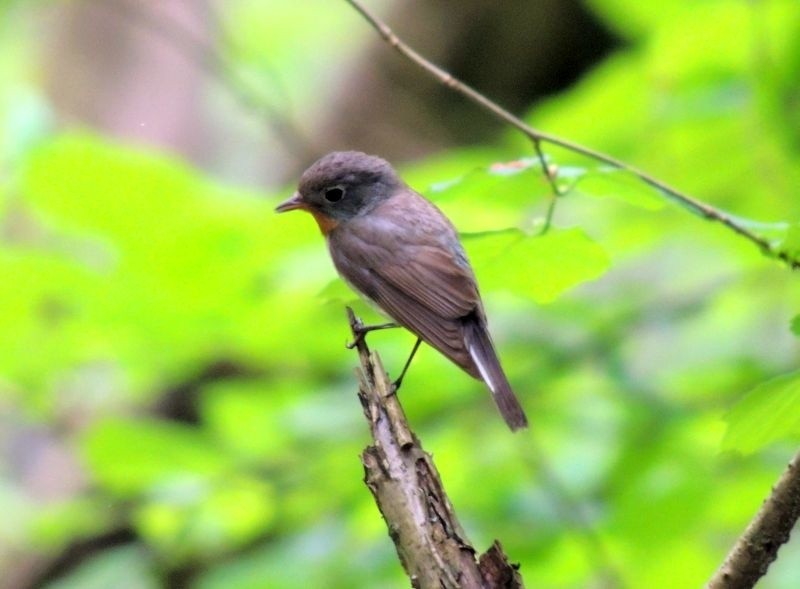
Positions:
{"x": 334, "y": 194}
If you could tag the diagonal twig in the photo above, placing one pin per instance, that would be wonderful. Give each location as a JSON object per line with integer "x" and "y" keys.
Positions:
{"x": 758, "y": 546}
{"x": 696, "y": 206}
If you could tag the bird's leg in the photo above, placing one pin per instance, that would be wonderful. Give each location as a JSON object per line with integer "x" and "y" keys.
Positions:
{"x": 396, "y": 384}
{"x": 362, "y": 330}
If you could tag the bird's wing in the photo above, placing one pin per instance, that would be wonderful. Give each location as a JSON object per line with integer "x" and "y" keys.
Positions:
{"x": 420, "y": 278}
{"x": 432, "y": 277}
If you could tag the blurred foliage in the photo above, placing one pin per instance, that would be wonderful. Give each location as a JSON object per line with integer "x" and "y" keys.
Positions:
{"x": 631, "y": 329}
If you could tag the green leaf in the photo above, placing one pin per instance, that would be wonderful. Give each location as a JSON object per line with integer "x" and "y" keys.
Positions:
{"x": 542, "y": 267}
{"x": 768, "y": 413}
{"x": 620, "y": 185}
{"x": 482, "y": 190}
{"x": 633, "y": 19}
{"x": 169, "y": 268}
{"x": 796, "y": 325}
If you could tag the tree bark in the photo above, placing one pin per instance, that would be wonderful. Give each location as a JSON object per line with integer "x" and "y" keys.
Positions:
{"x": 430, "y": 542}
{"x": 758, "y": 546}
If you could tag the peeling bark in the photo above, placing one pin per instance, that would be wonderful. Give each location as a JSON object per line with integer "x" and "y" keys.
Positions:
{"x": 430, "y": 542}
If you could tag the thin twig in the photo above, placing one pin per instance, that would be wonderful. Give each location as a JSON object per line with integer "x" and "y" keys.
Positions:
{"x": 548, "y": 216}
{"x": 696, "y": 206}
{"x": 758, "y": 546}
{"x": 549, "y": 173}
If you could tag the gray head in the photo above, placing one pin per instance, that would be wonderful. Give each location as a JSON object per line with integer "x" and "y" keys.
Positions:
{"x": 344, "y": 184}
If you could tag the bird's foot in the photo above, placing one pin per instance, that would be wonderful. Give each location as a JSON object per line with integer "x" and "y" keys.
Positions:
{"x": 396, "y": 385}
{"x": 362, "y": 330}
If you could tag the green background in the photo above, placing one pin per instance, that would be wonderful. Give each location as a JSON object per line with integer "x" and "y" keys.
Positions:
{"x": 653, "y": 351}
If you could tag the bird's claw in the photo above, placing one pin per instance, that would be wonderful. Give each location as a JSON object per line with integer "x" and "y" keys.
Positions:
{"x": 360, "y": 331}
{"x": 359, "y": 337}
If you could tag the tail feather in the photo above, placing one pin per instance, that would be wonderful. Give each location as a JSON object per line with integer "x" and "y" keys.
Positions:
{"x": 481, "y": 349}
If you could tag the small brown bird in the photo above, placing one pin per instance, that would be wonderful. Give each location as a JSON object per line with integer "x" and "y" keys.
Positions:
{"x": 398, "y": 250}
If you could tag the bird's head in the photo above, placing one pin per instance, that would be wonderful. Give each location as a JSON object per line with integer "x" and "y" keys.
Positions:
{"x": 343, "y": 185}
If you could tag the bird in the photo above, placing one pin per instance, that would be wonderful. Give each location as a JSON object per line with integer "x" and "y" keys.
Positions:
{"x": 400, "y": 252}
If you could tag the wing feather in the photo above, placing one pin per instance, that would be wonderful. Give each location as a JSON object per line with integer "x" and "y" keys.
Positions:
{"x": 422, "y": 280}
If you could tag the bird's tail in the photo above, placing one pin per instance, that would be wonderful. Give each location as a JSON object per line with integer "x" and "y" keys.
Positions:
{"x": 482, "y": 351}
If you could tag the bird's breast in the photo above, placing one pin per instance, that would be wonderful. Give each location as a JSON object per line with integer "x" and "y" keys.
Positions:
{"x": 346, "y": 269}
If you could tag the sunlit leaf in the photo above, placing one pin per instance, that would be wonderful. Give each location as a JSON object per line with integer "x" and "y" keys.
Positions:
{"x": 537, "y": 267}
{"x": 485, "y": 196}
{"x": 621, "y": 185}
{"x": 635, "y": 18}
{"x": 435, "y": 174}
{"x": 236, "y": 511}
{"x": 768, "y": 413}
{"x": 181, "y": 268}
{"x": 281, "y": 59}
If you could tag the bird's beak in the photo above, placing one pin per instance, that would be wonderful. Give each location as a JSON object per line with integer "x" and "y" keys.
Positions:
{"x": 290, "y": 204}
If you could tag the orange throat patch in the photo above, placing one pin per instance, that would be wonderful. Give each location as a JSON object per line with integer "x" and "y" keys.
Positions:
{"x": 326, "y": 223}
